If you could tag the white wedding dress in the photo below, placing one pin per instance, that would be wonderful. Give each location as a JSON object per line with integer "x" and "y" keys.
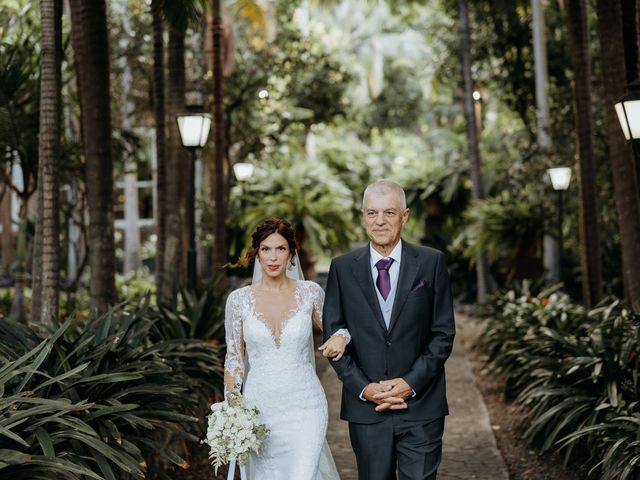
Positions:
{"x": 280, "y": 380}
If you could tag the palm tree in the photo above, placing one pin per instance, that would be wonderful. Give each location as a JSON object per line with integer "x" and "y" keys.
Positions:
{"x": 174, "y": 265}
{"x": 7, "y": 240}
{"x": 625, "y": 190}
{"x": 220, "y": 186}
{"x": 46, "y": 282}
{"x": 630, "y": 36}
{"x": 589, "y": 230}
{"x": 472, "y": 135}
{"x": 307, "y": 194}
{"x": 91, "y": 46}
{"x": 159, "y": 112}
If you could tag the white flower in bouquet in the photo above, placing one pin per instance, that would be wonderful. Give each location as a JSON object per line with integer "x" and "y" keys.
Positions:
{"x": 233, "y": 431}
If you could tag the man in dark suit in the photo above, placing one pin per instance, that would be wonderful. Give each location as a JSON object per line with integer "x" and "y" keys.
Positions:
{"x": 395, "y": 300}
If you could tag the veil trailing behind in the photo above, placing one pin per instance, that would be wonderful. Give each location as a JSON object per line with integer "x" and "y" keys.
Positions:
{"x": 327, "y": 469}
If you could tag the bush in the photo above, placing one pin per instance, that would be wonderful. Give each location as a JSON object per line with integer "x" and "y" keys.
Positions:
{"x": 574, "y": 373}
{"x": 89, "y": 401}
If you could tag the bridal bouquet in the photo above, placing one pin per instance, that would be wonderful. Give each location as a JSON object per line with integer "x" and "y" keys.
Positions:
{"x": 233, "y": 431}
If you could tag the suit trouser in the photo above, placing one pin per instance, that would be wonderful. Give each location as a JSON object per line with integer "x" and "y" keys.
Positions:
{"x": 412, "y": 447}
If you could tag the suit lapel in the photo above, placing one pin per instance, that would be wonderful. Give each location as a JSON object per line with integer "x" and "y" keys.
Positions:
{"x": 361, "y": 268}
{"x": 408, "y": 270}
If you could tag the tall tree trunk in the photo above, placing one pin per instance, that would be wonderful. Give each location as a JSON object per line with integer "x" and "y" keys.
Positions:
{"x": 472, "y": 138}
{"x": 46, "y": 291}
{"x": 620, "y": 156}
{"x": 219, "y": 234}
{"x": 630, "y": 38}
{"x": 8, "y": 239}
{"x": 589, "y": 230}
{"x": 176, "y": 171}
{"x": 551, "y": 245}
{"x": 91, "y": 47}
{"x": 131, "y": 208}
{"x": 158, "y": 111}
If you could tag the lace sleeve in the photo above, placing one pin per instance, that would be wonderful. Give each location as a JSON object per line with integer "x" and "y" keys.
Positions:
{"x": 234, "y": 359}
{"x": 317, "y": 295}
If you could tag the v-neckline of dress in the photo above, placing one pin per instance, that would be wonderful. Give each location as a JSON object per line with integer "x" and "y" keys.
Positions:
{"x": 260, "y": 317}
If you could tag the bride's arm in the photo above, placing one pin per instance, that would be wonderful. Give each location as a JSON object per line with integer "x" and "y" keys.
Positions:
{"x": 335, "y": 346}
{"x": 234, "y": 359}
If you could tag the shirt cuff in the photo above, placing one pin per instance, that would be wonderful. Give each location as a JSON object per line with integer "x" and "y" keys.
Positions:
{"x": 362, "y": 395}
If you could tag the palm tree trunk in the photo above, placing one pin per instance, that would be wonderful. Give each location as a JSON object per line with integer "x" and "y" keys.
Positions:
{"x": 630, "y": 39}
{"x": 46, "y": 289}
{"x": 219, "y": 234}
{"x": 91, "y": 47}
{"x": 620, "y": 156}
{"x": 589, "y": 230}
{"x": 472, "y": 136}
{"x": 131, "y": 215}
{"x": 158, "y": 100}
{"x": 8, "y": 238}
{"x": 176, "y": 175}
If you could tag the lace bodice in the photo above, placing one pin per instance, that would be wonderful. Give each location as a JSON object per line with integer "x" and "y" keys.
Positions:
{"x": 253, "y": 339}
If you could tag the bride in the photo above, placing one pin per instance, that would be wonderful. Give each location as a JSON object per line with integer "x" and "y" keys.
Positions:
{"x": 270, "y": 353}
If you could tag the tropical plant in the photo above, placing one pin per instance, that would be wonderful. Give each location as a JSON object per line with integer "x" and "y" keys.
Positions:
{"x": 508, "y": 229}
{"x": 85, "y": 401}
{"x": 573, "y": 373}
{"x": 309, "y": 195}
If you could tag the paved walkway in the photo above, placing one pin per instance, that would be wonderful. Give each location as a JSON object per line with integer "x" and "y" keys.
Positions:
{"x": 469, "y": 450}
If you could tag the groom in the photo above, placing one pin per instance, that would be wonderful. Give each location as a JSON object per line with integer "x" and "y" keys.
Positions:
{"x": 395, "y": 299}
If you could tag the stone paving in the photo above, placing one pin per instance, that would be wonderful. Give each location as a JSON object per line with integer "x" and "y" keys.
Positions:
{"x": 469, "y": 451}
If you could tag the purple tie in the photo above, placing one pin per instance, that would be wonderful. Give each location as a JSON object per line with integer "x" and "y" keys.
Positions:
{"x": 384, "y": 281}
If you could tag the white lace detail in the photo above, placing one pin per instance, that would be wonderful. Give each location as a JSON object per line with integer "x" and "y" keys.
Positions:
{"x": 343, "y": 332}
{"x": 280, "y": 380}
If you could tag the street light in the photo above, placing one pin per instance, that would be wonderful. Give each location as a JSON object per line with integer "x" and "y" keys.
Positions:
{"x": 243, "y": 172}
{"x": 560, "y": 180}
{"x": 194, "y": 126}
{"x": 628, "y": 110}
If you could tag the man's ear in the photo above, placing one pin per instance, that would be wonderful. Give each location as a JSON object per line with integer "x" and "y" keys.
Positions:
{"x": 405, "y": 215}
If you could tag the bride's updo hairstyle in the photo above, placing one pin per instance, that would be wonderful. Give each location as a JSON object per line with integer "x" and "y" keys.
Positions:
{"x": 262, "y": 231}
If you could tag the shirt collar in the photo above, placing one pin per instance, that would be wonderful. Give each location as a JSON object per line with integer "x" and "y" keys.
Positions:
{"x": 396, "y": 254}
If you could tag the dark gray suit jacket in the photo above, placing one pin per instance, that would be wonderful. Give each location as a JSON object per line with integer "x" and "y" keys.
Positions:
{"x": 414, "y": 347}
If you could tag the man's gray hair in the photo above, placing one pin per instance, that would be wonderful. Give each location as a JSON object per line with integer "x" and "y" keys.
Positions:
{"x": 385, "y": 187}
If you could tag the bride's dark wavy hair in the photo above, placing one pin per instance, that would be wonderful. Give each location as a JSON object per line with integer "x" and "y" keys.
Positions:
{"x": 262, "y": 231}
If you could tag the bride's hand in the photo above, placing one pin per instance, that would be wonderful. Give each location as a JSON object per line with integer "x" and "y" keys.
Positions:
{"x": 334, "y": 347}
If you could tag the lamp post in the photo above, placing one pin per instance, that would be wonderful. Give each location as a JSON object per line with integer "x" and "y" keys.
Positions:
{"x": 243, "y": 172}
{"x": 628, "y": 110}
{"x": 194, "y": 129}
{"x": 560, "y": 180}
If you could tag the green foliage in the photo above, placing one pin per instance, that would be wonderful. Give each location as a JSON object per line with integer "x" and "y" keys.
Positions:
{"x": 575, "y": 374}
{"x": 198, "y": 315}
{"x": 87, "y": 400}
{"x": 500, "y": 226}
{"x": 20, "y": 90}
{"x": 306, "y": 193}
{"x": 280, "y": 88}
